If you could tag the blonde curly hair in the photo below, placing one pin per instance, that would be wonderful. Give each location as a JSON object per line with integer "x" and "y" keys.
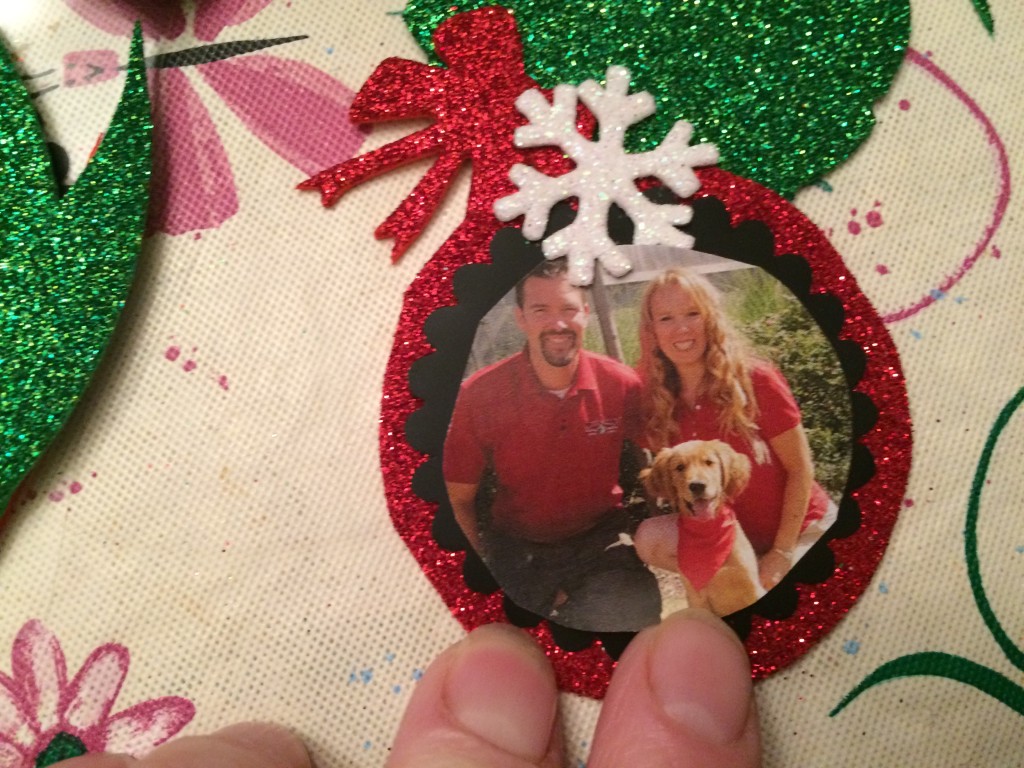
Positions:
{"x": 727, "y": 359}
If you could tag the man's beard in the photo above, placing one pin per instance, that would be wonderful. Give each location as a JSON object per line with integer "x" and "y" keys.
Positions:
{"x": 556, "y": 354}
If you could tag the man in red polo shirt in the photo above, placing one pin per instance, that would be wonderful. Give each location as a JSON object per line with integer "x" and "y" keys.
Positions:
{"x": 550, "y": 423}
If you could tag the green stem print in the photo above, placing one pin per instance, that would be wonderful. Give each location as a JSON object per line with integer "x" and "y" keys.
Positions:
{"x": 66, "y": 263}
{"x": 946, "y": 665}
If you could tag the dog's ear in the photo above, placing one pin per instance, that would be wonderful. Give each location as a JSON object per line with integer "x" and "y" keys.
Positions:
{"x": 656, "y": 479}
{"x": 735, "y": 469}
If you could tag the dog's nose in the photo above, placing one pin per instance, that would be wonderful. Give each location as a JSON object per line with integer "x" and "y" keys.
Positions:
{"x": 697, "y": 489}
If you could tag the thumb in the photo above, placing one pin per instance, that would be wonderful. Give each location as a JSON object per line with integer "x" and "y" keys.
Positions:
{"x": 681, "y": 696}
{"x": 489, "y": 701}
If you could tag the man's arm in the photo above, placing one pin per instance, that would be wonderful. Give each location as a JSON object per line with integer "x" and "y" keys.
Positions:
{"x": 463, "y": 500}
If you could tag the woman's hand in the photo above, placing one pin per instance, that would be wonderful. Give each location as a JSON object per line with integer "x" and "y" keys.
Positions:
{"x": 773, "y": 566}
{"x": 681, "y": 696}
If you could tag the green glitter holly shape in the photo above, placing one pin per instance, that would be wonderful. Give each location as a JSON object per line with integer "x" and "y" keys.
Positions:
{"x": 66, "y": 263}
{"x": 783, "y": 89}
{"x": 947, "y": 665}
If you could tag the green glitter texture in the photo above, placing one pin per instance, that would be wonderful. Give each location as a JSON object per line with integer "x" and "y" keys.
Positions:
{"x": 784, "y": 88}
{"x": 66, "y": 264}
{"x": 63, "y": 747}
{"x": 982, "y": 7}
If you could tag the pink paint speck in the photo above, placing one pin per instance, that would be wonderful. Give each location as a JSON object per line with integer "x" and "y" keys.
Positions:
{"x": 904, "y": 105}
{"x": 874, "y": 219}
{"x": 881, "y": 269}
{"x": 55, "y": 496}
{"x": 172, "y": 353}
{"x": 197, "y": 236}
{"x": 75, "y": 487}
{"x": 996, "y": 253}
{"x": 223, "y": 382}
{"x": 189, "y": 366}
{"x": 854, "y": 228}
{"x": 908, "y": 503}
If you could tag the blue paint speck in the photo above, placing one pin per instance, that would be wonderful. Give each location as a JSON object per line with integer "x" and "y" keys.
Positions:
{"x": 883, "y": 588}
{"x": 1020, "y": 550}
{"x": 367, "y": 744}
{"x": 915, "y": 334}
{"x": 366, "y": 676}
{"x": 960, "y": 299}
{"x": 330, "y": 51}
{"x": 937, "y": 294}
{"x": 851, "y": 646}
{"x": 396, "y": 689}
{"x": 417, "y": 674}
{"x": 389, "y": 657}
{"x": 353, "y": 678}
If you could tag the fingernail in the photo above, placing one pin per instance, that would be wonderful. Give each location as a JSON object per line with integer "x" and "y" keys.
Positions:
{"x": 701, "y": 677}
{"x": 501, "y": 689}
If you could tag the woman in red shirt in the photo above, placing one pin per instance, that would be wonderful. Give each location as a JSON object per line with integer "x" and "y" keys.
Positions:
{"x": 702, "y": 382}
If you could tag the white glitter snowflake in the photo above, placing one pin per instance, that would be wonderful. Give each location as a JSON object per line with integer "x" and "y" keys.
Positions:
{"x": 604, "y": 174}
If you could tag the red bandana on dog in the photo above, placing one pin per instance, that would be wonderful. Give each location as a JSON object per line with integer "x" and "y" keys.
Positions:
{"x": 704, "y": 545}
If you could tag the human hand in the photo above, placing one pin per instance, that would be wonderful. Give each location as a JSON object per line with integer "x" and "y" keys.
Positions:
{"x": 773, "y": 567}
{"x": 246, "y": 745}
{"x": 681, "y": 696}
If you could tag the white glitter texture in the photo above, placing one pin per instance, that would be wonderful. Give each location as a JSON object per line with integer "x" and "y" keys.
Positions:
{"x": 604, "y": 174}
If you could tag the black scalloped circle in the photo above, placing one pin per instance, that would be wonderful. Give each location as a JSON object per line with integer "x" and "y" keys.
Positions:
{"x": 478, "y": 287}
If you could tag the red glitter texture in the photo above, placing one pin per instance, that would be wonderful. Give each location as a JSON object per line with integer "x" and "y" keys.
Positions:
{"x": 473, "y": 104}
{"x": 772, "y": 645}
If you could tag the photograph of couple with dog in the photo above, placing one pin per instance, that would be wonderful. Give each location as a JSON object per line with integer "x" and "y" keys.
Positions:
{"x": 620, "y": 452}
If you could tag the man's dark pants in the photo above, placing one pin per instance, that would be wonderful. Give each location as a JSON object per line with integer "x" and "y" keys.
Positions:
{"x": 589, "y": 581}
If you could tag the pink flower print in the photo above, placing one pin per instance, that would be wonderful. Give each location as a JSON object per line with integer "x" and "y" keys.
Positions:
{"x": 44, "y": 718}
{"x": 160, "y": 20}
{"x": 295, "y": 109}
{"x": 192, "y": 185}
{"x": 89, "y": 67}
{"x": 213, "y": 17}
{"x": 165, "y": 19}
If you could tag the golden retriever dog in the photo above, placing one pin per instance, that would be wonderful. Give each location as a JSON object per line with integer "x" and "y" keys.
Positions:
{"x": 703, "y": 541}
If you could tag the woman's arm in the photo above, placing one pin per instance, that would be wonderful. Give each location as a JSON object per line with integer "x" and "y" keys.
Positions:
{"x": 795, "y": 456}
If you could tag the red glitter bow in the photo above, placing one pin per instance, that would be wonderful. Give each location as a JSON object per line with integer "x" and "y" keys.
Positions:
{"x": 473, "y": 104}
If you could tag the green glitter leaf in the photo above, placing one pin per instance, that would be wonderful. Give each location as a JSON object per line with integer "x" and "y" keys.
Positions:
{"x": 66, "y": 265}
{"x": 983, "y": 9}
{"x": 784, "y": 89}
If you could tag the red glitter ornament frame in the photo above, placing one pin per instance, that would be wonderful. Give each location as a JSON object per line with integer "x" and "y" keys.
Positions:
{"x": 793, "y": 616}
